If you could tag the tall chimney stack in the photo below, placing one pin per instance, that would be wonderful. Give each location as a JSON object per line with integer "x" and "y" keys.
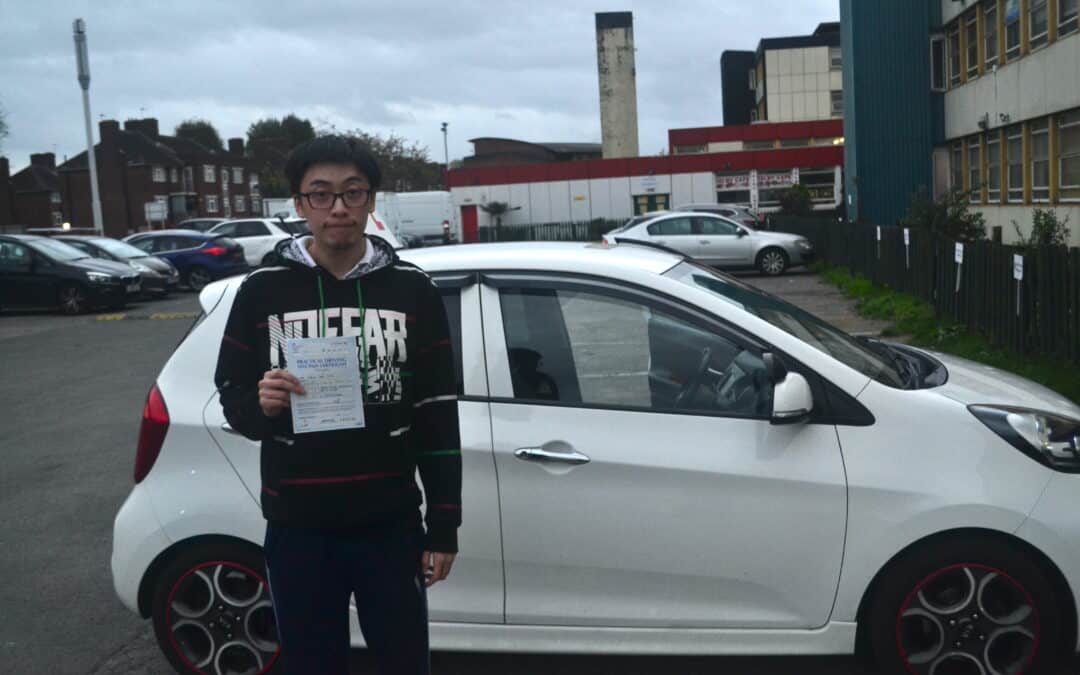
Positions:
{"x": 618, "y": 88}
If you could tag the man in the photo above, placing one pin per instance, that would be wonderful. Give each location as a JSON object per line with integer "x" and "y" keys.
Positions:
{"x": 342, "y": 505}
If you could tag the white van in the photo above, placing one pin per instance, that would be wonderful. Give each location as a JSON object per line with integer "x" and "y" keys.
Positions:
{"x": 422, "y": 217}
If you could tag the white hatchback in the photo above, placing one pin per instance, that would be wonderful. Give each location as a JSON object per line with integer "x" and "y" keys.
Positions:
{"x": 260, "y": 236}
{"x": 660, "y": 459}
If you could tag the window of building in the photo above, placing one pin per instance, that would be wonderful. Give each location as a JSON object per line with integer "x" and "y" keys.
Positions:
{"x": 794, "y": 142}
{"x": 753, "y": 79}
{"x": 956, "y": 167}
{"x": 159, "y": 174}
{"x": 836, "y": 100}
{"x": 211, "y": 204}
{"x": 1012, "y": 29}
{"x": 238, "y": 175}
{"x": 1067, "y": 16}
{"x": 1040, "y": 161}
{"x": 771, "y": 184}
{"x": 690, "y": 149}
{"x": 939, "y": 65}
{"x": 836, "y": 58}
{"x": 174, "y": 176}
{"x": 971, "y": 27}
{"x": 993, "y": 168}
{"x": 208, "y": 173}
{"x": 974, "y": 169}
{"x": 821, "y": 182}
{"x": 954, "y": 55}
{"x": 990, "y": 29}
{"x": 1014, "y": 156}
{"x": 256, "y": 205}
{"x": 189, "y": 178}
{"x": 54, "y": 197}
{"x": 238, "y": 203}
{"x": 1069, "y": 159}
{"x": 1037, "y": 23}
{"x": 57, "y": 219}
{"x": 758, "y": 145}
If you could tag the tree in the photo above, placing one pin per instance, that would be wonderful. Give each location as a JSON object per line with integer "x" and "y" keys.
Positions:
{"x": 406, "y": 167}
{"x": 269, "y": 142}
{"x": 796, "y": 201}
{"x": 3, "y": 127}
{"x": 1046, "y": 230}
{"x": 296, "y": 130}
{"x": 201, "y": 132}
{"x": 949, "y": 216}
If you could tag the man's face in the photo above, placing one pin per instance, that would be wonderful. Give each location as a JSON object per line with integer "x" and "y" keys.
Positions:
{"x": 338, "y": 227}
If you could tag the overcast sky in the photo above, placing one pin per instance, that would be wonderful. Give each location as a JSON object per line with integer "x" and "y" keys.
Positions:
{"x": 510, "y": 68}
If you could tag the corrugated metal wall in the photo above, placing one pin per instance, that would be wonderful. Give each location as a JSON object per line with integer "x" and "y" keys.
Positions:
{"x": 891, "y": 118}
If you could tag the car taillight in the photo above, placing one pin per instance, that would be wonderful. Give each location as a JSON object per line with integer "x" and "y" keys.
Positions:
{"x": 216, "y": 251}
{"x": 155, "y": 422}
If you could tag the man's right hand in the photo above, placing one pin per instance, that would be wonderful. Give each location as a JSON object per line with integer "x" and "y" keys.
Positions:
{"x": 274, "y": 390}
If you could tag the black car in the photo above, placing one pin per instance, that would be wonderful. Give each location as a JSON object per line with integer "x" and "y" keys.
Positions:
{"x": 39, "y": 272}
{"x": 159, "y": 277}
{"x": 199, "y": 224}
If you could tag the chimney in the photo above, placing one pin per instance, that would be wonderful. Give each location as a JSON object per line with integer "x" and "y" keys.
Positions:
{"x": 236, "y": 146}
{"x": 108, "y": 131}
{"x": 618, "y": 88}
{"x": 45, "y": 160}
{"x": 5, "y": 171}
{"x": 147, "y": 127}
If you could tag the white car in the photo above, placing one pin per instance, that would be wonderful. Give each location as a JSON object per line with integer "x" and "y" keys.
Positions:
{"x": 716, "y": 240}
{"x": 260, "y": 236}
{"x": 660, "y": 459}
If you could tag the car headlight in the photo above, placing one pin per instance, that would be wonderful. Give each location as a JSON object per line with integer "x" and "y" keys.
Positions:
{"x": 1051, "y": 440}
{"x": 99, "y": 278}
{"x": 804, "y": 244}
{"x": 139, "y": 267}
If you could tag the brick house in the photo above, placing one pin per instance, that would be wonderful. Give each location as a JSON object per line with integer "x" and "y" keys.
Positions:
{"x": 137, "y": 165}
{"x": 31, "y": 197}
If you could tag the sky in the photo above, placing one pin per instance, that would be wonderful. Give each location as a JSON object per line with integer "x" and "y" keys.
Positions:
{"x": 511, "y": 68}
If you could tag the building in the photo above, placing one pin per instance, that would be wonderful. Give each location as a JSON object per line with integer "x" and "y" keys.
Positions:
{"x": 137, "y": 165}
{"x": 507, "y": 151}
{"x": 31, "y": 197}
{"x": 981, "y": 97}
{"x": 791, "y": 79}
{"x": 618, "y": 84}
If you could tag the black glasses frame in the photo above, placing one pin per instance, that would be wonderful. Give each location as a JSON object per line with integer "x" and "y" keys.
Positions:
{"x": 336, "y": 195}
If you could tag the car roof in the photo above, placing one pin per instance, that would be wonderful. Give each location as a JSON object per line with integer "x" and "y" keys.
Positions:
{"x": 186, "y": 233}
{"x": 26, "y": 237}
{"x": 573, "y": 257}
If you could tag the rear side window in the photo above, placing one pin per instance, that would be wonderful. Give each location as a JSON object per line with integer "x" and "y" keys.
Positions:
{"x": 250, "y": 228}
{"x": 452, "y": 301}
{"x": 671, "y": 227}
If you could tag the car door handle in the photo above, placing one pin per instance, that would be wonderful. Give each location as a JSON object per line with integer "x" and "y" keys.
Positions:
{"x": 704, "y": 241}
{"x": 546, "y": 456}
{"x": 227, "y": 428}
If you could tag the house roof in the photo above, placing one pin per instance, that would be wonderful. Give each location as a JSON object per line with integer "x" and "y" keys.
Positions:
{"x": 36, "y": 179}
{"x": 165, "y": 150}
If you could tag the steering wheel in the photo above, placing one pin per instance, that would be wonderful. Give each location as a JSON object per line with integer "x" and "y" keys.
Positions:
{"x": 695, "y": 380}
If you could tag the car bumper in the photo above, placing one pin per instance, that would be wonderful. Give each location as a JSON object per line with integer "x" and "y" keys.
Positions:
{"x": 802, "y": 256}
{"x": 113, "y": 294}
{"x": 138, "y": 538}
{"x": 157, "y": 284}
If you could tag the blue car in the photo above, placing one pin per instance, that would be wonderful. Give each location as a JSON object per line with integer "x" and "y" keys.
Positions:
{"x": 200, "y": 257}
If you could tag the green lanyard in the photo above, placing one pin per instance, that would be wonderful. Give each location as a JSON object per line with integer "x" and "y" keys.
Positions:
{"x": 363, "y": 325}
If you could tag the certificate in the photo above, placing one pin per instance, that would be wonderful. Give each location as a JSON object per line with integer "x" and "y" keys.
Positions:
{"x": 329, "y": 370}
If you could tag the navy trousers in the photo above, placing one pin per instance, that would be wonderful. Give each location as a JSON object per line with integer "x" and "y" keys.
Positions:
{"x": 314, "y": 572}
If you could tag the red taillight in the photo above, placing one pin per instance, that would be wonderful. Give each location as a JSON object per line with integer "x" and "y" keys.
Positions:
{"x": 155, "y": 422}
{"x": 216, "y": 250}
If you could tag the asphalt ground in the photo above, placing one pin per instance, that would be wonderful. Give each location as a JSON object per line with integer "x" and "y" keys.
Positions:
{"x": 72, "y": 393}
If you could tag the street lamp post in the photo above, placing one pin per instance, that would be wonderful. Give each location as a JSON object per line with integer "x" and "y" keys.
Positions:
{"x": 82, "y": 62}
{"x": 446, "y": 155}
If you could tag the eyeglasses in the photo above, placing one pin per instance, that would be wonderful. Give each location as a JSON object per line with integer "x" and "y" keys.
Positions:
{"x": 323, "y": 199}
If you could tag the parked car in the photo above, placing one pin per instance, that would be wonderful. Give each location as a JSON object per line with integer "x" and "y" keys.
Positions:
{"x": 376, "y": 225}
{"x": 715, "y": 240}
{"x": 259, "y": 236}
{"x": 38, "y": 272}
{"x": 159, "y": 277}
{"x": 199, "y": 257}
{"x": 737, "y": 212}
{"x": 199, "y": 224}
{"x": 659, "y": 459}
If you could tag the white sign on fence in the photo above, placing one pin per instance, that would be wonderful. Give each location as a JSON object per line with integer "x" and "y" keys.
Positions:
{"x": 879, "y": 233}
{"x": 907, "y": 236}
{"x": 959, "y": 254}
{"x": 907, "y": 248}
{"x": 1018, "y": 267}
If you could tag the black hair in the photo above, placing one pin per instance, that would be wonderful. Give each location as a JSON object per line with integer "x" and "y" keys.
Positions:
{"x": 333, "y": 149}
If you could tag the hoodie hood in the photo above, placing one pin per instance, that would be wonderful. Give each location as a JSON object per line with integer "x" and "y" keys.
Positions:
{"x": 294, "y": 253}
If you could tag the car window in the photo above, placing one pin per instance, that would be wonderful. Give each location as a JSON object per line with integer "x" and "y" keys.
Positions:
{"x": 14, "y": 257}
{"x": 249, "y": 228}
{"x": 183, "y": 243}
{"x": 714, "y": 226}
{"x": 594, "y": 349}
{"x": 671, "y": 227}
{"x": 227, "y": 229}
{"x": 84, "y": 247}
{"x": 452, "y": 302}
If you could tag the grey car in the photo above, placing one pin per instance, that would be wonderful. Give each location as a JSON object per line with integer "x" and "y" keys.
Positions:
{"x": 718, "y": 241}
{"x": 737, "y": 212}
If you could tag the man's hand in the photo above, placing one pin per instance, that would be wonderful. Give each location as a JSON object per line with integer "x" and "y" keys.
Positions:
{"x": 436, "y": 566}
{"x": 274, "y": 390}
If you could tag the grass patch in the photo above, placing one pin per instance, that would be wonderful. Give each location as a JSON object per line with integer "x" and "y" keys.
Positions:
{"x": 915, "y": 319}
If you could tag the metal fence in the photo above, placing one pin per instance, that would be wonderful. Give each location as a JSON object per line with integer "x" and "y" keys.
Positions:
{"x": 567, "y": 231}
{"x": 1026, "y": 301}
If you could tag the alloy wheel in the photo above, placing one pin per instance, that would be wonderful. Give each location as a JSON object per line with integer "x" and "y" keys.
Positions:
{"x": 198, "y": 278}
{"x": 72, "y": 300}
{"x": 773, "y": 262}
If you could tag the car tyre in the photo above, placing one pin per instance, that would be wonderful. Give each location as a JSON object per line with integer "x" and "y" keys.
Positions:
{"x": 212, "y": 611}
{"x": 72, "y": 299}
{"x": 772, "y": 261}
{"x": 967, "y": 603}
{"x": 198, "y": 278}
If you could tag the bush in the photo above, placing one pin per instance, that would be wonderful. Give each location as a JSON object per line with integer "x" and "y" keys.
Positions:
{"x": 949, "y": 216}
{"x": 1046, "y": 230}
{"x": 796, "y": 201}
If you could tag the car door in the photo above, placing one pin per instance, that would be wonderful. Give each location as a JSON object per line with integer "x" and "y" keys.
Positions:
{"x": 256, "y": 239}
{"x": 25, "y": 278}
{"x": 721, "y": 242}
{"x": 474, "y": 592}
{"x": 626, "y": 501}
{"x": 676, "y": 233}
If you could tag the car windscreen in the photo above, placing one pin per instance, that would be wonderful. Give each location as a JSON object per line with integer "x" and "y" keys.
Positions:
{"x": 790, "y": 319}
{"x": 57, "y": 250}
{"x": 120, "y": 249}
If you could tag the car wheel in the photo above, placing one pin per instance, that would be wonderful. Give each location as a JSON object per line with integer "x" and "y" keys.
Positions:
{"x": 212, "y": 611}
{"x": 772, "y": 261}
{"x": 72, "y": 299}
{"x": 269, "y": 260}
{"x": 967, "y": 605}
{"x": 198, "y": 278}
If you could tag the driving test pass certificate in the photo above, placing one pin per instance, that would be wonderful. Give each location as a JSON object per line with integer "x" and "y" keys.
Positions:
{"x": 329, "y": 370}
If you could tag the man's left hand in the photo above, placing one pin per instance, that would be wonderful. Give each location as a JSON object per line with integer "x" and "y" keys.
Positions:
{"x": 435, "y": 566}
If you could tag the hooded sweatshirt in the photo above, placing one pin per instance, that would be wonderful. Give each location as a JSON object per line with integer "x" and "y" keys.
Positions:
{"x": 351, "y": 477}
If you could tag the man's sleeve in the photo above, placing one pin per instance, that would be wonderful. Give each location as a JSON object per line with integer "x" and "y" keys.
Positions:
{"x": 239, "y": 371}
{"x": 435, "y": 424}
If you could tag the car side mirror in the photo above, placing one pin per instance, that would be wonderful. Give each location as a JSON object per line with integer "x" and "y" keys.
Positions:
{"x": 792, "y": 400}
{"x": 740, "y": 233}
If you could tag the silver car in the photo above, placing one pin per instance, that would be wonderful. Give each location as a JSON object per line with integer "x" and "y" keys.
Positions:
{"x": 737, "y": 212}
{"x": 718, "y": 241}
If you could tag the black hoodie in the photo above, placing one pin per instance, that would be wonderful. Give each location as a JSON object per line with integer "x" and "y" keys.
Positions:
{"x": 352, "y": 477}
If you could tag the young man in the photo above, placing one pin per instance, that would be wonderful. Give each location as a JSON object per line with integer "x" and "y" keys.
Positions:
{"x": 342, "y": 505}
